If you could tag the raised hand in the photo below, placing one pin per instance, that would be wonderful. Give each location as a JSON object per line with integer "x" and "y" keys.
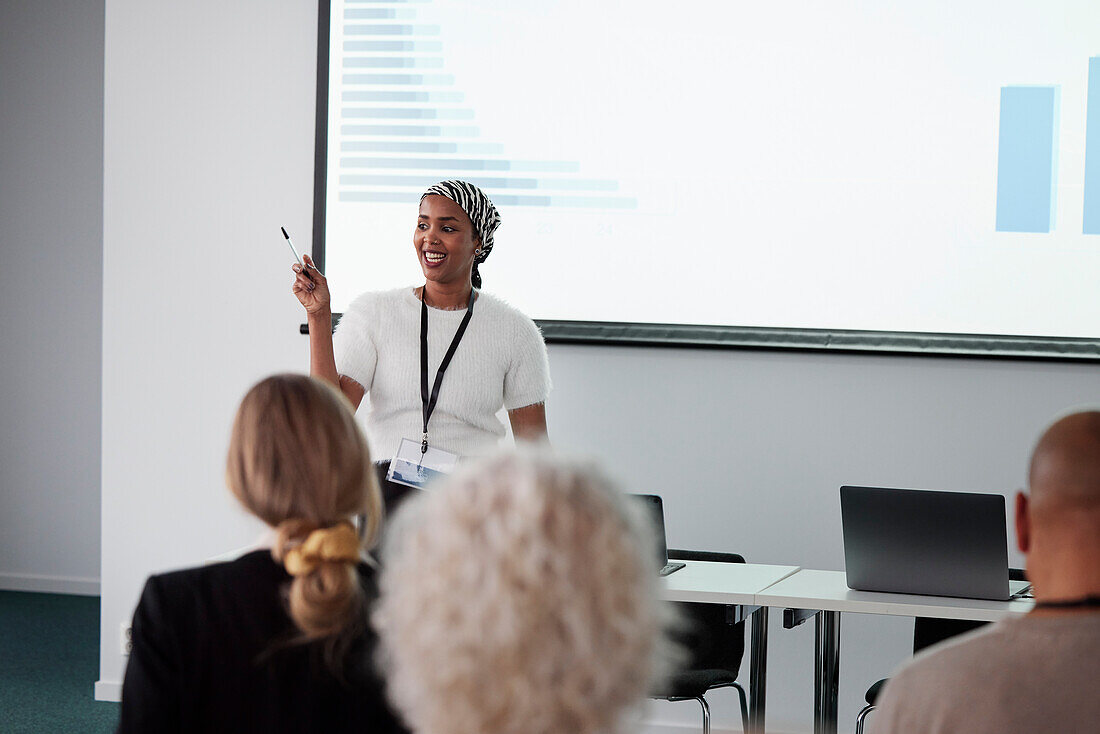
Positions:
{"x": 311, "y": 287}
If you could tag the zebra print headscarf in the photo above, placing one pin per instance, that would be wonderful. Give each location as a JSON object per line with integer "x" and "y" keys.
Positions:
{"x": 483, "y": 215}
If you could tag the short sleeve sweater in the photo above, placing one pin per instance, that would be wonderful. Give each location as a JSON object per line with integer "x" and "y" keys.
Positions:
{"x": 500, "y": 362}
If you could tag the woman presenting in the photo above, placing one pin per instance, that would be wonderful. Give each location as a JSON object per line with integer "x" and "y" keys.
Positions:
{"x": 439, "y": 360}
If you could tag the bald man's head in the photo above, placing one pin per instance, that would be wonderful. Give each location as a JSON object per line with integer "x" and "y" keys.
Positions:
{"x": 1065, "y": 467}
{"x": 1058, "y": 527}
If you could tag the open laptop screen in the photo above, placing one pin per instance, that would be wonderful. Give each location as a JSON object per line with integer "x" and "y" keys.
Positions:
{"x": 925, "y": 542}
{"x": 656, "y": 511}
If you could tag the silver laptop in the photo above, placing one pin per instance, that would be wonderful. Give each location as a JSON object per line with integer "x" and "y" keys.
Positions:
{"x": 656, "y": 511}
{"x": 914, "y": 541}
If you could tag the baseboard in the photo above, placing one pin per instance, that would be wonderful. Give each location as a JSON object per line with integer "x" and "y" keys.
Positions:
{"x": 659, "y": 727}
{"x": 652, "y": 727}
{"x": 108, "y": 690}
{"x": 76, "y": 585}
{"x": 112, "y": 691}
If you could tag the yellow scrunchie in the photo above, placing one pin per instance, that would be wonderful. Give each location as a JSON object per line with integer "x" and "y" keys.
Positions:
{"x": 338, "y": 543}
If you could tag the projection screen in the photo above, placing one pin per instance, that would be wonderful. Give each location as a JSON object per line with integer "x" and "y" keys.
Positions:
{"x": 912, "y": 176}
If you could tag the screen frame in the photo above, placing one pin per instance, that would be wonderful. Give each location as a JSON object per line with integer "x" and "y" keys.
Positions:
{"x": 712, "y": 336}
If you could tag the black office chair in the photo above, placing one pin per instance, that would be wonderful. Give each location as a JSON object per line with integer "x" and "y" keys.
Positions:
{"x": 715, "y": 646}
{"x": 927, "y": 632}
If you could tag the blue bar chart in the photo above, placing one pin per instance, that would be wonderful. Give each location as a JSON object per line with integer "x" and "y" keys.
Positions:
{"x": 400, "y": 106}
{"x": 734, "y": 153}
{"x": 1091, "y": 223}
{"x": 1027, "y": 159}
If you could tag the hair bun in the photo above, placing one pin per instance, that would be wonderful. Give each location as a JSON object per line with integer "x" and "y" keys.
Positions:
{"x": 339, "y": 543}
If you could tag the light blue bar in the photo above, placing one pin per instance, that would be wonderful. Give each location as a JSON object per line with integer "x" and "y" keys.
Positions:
{"x": 411, "y": 131}
{"x": 393, "y": 62}
{"x": 573, "y": 202}
{"x": 410, "y": 146}
{"x": 1091, "y": 224}
{"x": 378, "y": 14}
{"x": 584, "y": 202}
{"x": 391, "y": 46}
{"x": 393, "y": 179}
{"x": 387, "y": 29}
{"x": 461, "y": 164}
{"x": 1027, "y": 159}
{"x": 387, "y": 197}
{"x": 535, "y": 184}
{"x": 545, "y": 167}
{"x": 406, "y": 113}
{"x": 386, "y": 95}
{"x": 369, "y": 14}
{"x": 413, "y": 80}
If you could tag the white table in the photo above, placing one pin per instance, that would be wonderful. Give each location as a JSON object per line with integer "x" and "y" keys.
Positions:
{"x": 826, "y": 594}
{"x": 737, "y": 585}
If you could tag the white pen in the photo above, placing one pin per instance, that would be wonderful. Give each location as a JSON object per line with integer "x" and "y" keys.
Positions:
{"x": 305, "y": 268}
{"x": 296, "y": 255}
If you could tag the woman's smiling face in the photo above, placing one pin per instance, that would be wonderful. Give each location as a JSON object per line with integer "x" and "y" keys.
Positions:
{"x": 444, "y": 240}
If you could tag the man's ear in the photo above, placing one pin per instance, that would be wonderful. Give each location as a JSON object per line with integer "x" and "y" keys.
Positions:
{"x": 1023, "y": 523}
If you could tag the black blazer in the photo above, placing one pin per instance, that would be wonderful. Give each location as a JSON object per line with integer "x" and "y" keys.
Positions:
{"x": 210, "y": 654}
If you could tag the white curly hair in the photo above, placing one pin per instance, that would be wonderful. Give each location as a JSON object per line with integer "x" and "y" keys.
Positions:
{"x": 521, "y": 597}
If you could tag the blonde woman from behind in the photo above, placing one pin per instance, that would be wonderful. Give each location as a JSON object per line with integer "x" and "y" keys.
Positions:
{"x": 520, "y": 598}
{"x": 276, "y": 640}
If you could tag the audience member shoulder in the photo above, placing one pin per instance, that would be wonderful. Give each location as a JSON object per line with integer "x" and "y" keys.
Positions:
{"x": 960, "y": 659}
{"x": 256, "y": 568}
{"x": 254, "y": 565}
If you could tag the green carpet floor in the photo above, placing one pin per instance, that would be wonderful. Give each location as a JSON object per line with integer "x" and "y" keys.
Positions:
{"x": 49, "y": 662}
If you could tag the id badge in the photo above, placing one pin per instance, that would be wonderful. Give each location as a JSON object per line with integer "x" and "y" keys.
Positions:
{"x": 414, "y": 469}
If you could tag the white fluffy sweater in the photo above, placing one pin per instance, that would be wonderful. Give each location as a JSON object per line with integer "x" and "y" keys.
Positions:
{"x": 501, "y": 361}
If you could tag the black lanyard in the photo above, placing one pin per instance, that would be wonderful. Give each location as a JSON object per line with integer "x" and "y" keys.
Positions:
{"x": 429, "y": 403}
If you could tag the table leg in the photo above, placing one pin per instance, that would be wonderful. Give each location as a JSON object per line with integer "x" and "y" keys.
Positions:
{"x": 758, "y": 670}
{"x": 826, "y": 672}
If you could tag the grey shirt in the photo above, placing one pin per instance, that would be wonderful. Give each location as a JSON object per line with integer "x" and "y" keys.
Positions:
{"x": 1022, "y": 674}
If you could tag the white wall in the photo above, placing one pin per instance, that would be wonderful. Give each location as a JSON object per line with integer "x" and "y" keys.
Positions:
{"x": 51, "y": 288}
{"x": 749, "y": 450}
{"x": 208, "y": 149}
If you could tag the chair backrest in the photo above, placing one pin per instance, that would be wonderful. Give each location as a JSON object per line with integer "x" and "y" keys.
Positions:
{"x": 712, "y": 639}
{"x": 675, "y": 554}
{"x": 928, "y": 631}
